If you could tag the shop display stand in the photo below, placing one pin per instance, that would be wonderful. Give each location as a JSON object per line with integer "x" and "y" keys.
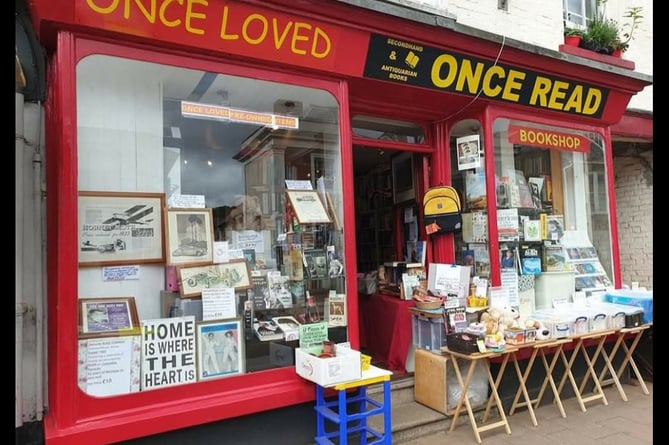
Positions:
{"x": 336, "y": 411}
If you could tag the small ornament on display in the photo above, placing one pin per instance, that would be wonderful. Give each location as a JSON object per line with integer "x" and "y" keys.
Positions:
{"x": 312, "y": 310}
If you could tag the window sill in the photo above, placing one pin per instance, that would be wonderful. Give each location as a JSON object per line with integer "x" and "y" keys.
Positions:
{"x": 604, "y": 58}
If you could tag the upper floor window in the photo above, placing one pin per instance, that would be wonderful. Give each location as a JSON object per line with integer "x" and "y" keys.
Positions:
{"x": 579, "y": 12}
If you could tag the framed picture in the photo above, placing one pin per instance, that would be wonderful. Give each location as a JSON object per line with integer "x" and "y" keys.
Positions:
{"x": 220, "y": 348}
{"x": 108, "y": 317}
{"x": 235, "y": 274}
{"x": 308, "y": 207}
{"x": 117, "y": 228}
{"x": 404, "y": 185}
{"x": 190, "y": 236}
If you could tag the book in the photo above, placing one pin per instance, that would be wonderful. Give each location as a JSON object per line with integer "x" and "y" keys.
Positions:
{"x": 532, "y": 230}
{"x": 337, "y": 309}
{"x": 259, "y": 292}
{"x": 507, "y": 224}
{"x": 530, "y": 260}
{"x": 537, "y": 190}
{"x": 267, "y": 330}
{"x": 475, "y": 192}
{"x": 289, "y": 325}
{"x": 421, "y": 251}
{"x": 554, "y": 258}
{"x": 293, "y": 266}
{"x": 279, "y": 293}
{"x": 524, "y": 193}
{"x": 315, "y": 260}
{"x": 455, "y": 318}
{"x": 552, "y": 227}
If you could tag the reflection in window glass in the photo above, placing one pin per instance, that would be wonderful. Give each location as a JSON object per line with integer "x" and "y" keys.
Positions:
{"x": 231, "y": 145}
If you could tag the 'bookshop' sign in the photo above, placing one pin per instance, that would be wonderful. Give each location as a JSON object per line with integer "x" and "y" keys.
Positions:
{"x": 168, "y": 352}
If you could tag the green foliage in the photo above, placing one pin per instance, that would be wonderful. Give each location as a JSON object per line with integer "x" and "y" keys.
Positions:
{"x": 606, "y": 35}
{"x": 573, "y": 32}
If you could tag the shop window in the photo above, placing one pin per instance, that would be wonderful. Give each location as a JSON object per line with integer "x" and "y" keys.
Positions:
{"x": 220, "y": 152}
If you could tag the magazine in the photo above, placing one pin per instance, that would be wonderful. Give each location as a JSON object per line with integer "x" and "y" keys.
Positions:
{"x": 267, "y": 330}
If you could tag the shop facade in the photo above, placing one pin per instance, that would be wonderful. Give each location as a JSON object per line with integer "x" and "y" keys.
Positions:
{"x": 175, "y": 129}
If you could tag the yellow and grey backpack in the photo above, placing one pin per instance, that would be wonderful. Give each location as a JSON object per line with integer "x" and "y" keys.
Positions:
{"x": 442, "y": 210}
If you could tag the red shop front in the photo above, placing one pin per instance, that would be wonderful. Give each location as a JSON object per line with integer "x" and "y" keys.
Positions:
{"x": 207, "y": 112}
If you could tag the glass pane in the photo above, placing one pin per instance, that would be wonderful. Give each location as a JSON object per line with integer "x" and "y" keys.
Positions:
{"x": 388, "y": 129}
{"x": 223, "y": 150}
{"x": 551, "y": 200}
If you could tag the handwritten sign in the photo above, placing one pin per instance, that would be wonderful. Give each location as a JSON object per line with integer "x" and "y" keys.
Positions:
{"x": 313, "y": 334}
{"x": 218, "y": 303}
{"x": 168, "y": 352}
{"x": 120, "y": 273}
{"x": 187, "y": 201}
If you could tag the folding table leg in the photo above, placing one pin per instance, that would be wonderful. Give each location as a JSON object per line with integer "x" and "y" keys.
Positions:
{"x": 522, "y": 387}
{"x": 548, "y": 379}
{"x": 569, "y": 375}
{"x": 599, "y": 392}
{"x": 628, "y": 358}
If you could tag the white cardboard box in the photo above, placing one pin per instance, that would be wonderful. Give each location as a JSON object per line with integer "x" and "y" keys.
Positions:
{"x": 345, "y": 366}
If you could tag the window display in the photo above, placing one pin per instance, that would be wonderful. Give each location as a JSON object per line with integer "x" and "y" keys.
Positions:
{"x": 189, "y": 171}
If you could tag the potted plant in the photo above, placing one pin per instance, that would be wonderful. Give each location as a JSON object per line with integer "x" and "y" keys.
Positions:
{"x": 634, "y": 14}
{"x": 601, "y": 35}
{"x": 572, "y": 36}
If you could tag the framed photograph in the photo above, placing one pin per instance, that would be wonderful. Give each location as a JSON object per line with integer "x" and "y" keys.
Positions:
{"x": 235, "y": 274}
{"x": 108, "y": 317}
{"x": 404, "y": 185}
{"x": 308, "y": 207}
{"x": 190, "y": 236}
{"x": 469, "y": 153}
{"x": 117, "y": 228}
{"x": 220, "y": 348}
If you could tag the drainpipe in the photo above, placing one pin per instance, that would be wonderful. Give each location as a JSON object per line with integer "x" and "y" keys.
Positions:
{"x": 18, "y": 264}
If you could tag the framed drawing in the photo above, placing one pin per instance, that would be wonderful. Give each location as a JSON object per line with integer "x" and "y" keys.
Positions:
{"x": 235, "y": 274}
{"x": 117, "y": 228}
{"x": 308, "y": 207}
{"x": 220, "y": 348}
{"x": 190, "y": 236}
{"x": 108, "y": 317}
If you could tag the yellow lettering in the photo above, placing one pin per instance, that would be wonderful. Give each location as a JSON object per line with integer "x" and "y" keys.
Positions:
{"x": 593, "y": 101}
{"x": 575, "y": 101}
{"x": 558, "y": 93}
{"x": 279, "y": 38}
{"x": 493, "y": 72}
{"x": 224, "y": 26}
{"x": 162, "y": 16}
{"x": 192, "y": 15}
{"x": 513, "y": 85}
{"x": 444, "y": 59}
{"x": 150, "y": 16}
{"x": 101, "y": 9}
{"x": 320, "y": 35}
{"x": 297, "y": 37}
{"x": 247, "y": 24}
{"x": 468, "y": 75}
{"x": 539, "y": 95}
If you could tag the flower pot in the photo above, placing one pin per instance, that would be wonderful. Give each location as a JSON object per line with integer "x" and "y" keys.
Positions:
{"x": 617, "y": 53}
{"x": 572, "y": 40}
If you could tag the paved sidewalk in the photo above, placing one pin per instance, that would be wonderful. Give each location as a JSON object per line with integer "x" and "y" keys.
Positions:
{"x": 618, "y": 423}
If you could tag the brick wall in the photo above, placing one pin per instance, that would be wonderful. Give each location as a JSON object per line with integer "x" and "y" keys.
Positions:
{"x": 634, "y": 200}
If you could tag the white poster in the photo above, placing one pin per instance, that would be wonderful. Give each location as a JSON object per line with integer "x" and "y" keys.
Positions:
{"x": 218, "y": 303}
{"x": 469, "y": 153}
{"x": 109, "y": 366}
{"x": 168, "y": 352}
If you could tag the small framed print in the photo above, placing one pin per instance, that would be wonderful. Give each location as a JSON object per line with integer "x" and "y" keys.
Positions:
{"x": 108, "y": 317}
{"x": 120, "y": 228}
{"x": 308, "y": 207}
{"x": 220, "y": 349}
{"x": 190, "y": 236}
{"x": 235, "y": 274}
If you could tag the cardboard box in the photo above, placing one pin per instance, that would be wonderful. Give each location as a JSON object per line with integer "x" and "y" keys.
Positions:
{"x": 345, "y": 366}
{"x": 436, "y": 386}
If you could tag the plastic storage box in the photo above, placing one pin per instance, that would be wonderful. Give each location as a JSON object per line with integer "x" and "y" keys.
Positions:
{"x": 641, "y": 299}
{"x": 429, "y": 333}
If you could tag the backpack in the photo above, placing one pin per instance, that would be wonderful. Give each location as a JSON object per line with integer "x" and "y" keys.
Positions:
{"x": 442, "y": 210}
